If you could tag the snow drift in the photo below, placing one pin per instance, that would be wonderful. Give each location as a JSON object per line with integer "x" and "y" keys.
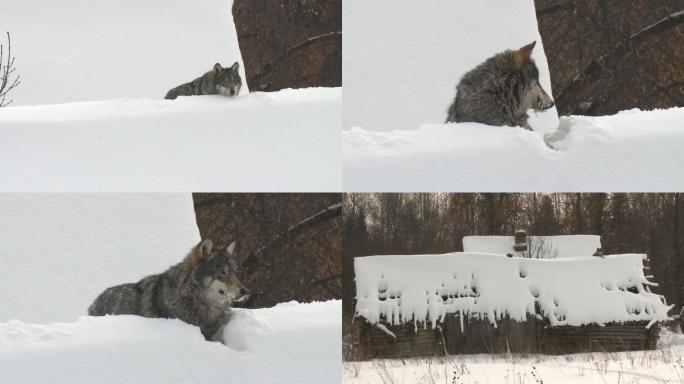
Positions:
{"x": 289, "y": 343}
{"x": 630, "y": 151}
{"x": 60, "y": 251}
{"x": 401, "y": 65}
{"x": 73, "y": 50}
{"x": 576, "y": 291}
{"x": 565, "y": 245}
{"x": 281, "y": 141}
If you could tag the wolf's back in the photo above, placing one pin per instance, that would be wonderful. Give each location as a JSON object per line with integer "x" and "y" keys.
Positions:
{"x": 119, "y": 300}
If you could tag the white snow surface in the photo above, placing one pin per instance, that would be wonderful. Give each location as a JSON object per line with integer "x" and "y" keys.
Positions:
{"x": 59, "y": 251}
{"x": 629, "y": 151}
{"x": 289, "y": 343}
{"x": 574, "y": 291}
{"x": 565, "y": 245}
{"x": 402, "y": 59}
{"x": 282, "y": 141}
{"x": 75, "y": 50}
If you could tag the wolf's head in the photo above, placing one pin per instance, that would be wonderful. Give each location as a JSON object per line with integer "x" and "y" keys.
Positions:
{"x": 227, "y": 80}
{"x": 215, "y": 271}
{"x": 534, "y": 96}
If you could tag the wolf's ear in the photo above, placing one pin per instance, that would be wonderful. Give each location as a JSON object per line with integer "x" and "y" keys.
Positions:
{"x": 205, "y": 248}
{"x": 231, "y": 248}
{"x": 218, "y": 68}
{"x": 522, "y": 56}
{"x": 235, "y": 66}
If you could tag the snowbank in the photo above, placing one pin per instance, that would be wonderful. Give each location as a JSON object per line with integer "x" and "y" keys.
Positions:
{"x": 565, "y": 245}
{"x": 290, "y": 343}
{"x": 424, "y": 288}
{"x": 282, "y": 141}
{"x": 630, "y": 151}
{"x": 73, "y": 50}
{"x": 60, "y": 251}
{"x": 402, "y": 59}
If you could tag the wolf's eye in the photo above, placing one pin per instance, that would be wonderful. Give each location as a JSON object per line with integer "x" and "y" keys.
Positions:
{"x": 222, "y": 272}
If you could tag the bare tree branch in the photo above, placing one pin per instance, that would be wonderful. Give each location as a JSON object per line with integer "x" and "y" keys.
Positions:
{"x": 6, "y": 70}
{"x": 597, "y": 66}
{"x": 271, "y": 64}
{"x": 328, "y": 213}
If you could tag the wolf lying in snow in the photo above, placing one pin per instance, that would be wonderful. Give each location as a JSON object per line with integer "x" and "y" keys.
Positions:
{"x": 500, "y": 91}
{"x": 199, "y": 290}
{"x": 218, "y": 81}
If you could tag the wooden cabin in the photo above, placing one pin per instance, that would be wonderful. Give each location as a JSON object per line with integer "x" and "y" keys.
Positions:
{"x": 473, "y": 302}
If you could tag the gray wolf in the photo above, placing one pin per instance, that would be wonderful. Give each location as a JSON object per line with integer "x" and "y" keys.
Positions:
{"x": 218, "y": 81}
{"x": 500, "y": 91}
{"x": 199, "y": 290}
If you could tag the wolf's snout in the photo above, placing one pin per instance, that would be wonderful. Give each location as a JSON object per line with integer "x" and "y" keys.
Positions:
{"x": 232, "y": 92}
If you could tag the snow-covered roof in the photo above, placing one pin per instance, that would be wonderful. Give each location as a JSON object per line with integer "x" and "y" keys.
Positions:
{"x": 566, "y": 245}
{"x": 424, "y": 288}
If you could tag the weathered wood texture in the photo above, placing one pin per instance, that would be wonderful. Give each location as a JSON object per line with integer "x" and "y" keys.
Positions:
{"x": 478, "y": 336}
{"x": 288, "y": 244}
{"x": 290, "y": 43}
{"x": 631, "y": 336}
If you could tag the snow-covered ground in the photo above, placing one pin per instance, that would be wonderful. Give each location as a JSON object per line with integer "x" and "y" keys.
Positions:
{"x": 289, "y": 343}
{"x": 401, "y": 67}
{"x": 60, "y": 251}
{"x": 402, "y": 58}
{"x": 75, "y": 50}
{"x": 89, "y": 114}
{"x": 662, "y": 366}
{"x": 283, "y": 141}
{"x": 630, "y": 151}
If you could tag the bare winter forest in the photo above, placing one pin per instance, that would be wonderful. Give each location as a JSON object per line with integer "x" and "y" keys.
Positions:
{"x": 416, "y": 223}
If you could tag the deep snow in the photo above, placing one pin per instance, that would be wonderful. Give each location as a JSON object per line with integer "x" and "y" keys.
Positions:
{"x": 72, "y": 50}
{"x": 59, "y": 251}
{"x": 283, "y": 141}
{"x": 627, "y": 152}
{"x": 422, "y": 289}
{"x": 89, "y": 114}
{"x": 289, "y": 343}
{"x": 403, "y": 59}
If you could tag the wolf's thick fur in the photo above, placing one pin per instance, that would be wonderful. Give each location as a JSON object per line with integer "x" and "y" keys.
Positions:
{"x": 218, "y": 81}
{"x": 199, "y": 290}
{"x": 500, "y": 91}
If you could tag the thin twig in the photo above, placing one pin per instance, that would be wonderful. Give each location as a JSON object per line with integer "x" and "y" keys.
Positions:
{"x": 6, "y": 70}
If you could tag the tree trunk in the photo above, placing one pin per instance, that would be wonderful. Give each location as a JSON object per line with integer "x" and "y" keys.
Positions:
{"x": 290, "y": 44}
{"x": 288, "y": 245}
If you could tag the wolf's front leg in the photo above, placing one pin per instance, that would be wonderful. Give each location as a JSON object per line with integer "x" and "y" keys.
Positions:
{"x": 218, "y": 335}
